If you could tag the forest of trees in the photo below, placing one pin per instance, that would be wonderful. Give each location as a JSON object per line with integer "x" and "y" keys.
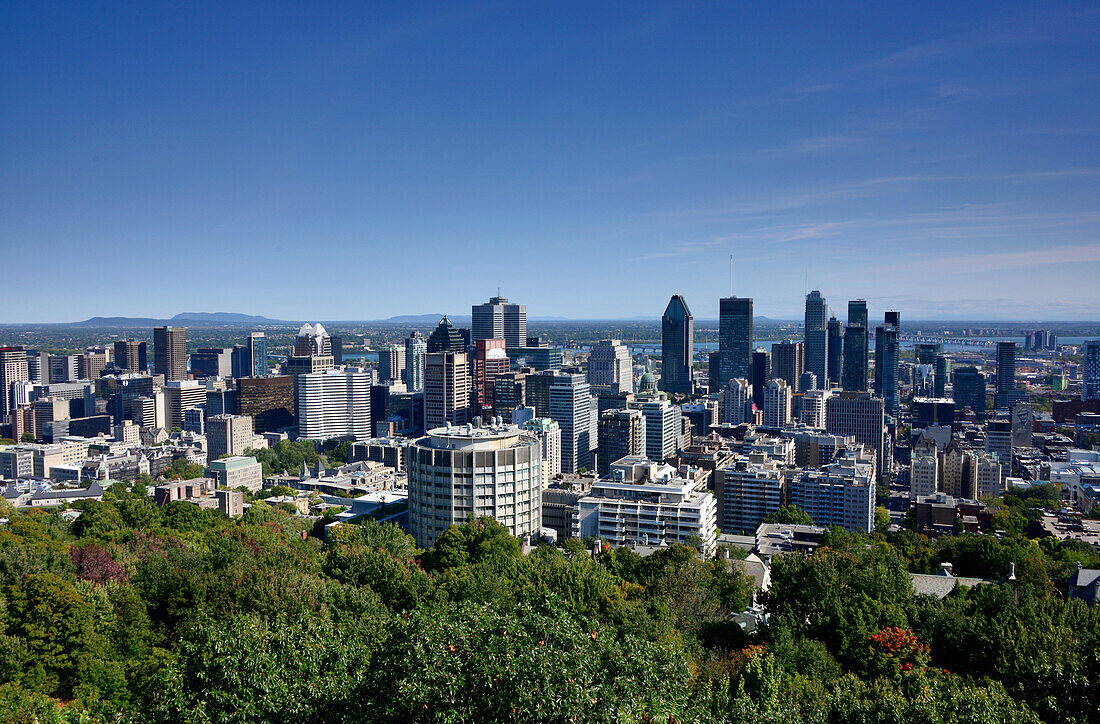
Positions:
{"x": 138, "y": 614}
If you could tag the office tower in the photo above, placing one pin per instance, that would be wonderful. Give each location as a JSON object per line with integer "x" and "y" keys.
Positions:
{"x": 807, "y": 382}
{"x": 391, "y": 363}
{"x": 445, "y": 338}
{"x": 788, "y": 362}
{"x": 499, "y": 320}
{"x": 236, "y": 472}
{"x": 269, "y": 401}
{"x": 334, "y": 404}
{"x": 863, "y": 417}
{"x": 924, "y": 472}
{"x": 92, "y": 363}
{"x": 537, "y": 391}
{"x": 228, "y": 435}
{"x": 570, "y": 405}
{"x": 621, "y": 434}
{"x": 734, "y": 338}
{"x": 257, "y": 353}
{"x": 816, "y": 336}
{"x": 929, "y": 411}
{"x": 621, "y": 510}
{"x": 241, "y": 362}
{"x": 854, "y": 372}
{"x": 63, "y": 368}
{"x": 1005, "y": 391}
{"x": 13, "y": 368}
{"x": 548, "y": 433}
{"x": 892, "y": 317}
{"x": 714, "y": 374}
{"x": 538, "y": 357}
{"x": 445, "y": 487}
{"x": 337, "y": 345}
{"x": 677, "y": 347}
{"x": 312, "y": 353}
{"x": 968, "y": 389}
{"x": 178, "y": 396}
{"x": 46, "y": 411}
{"x": 735, "y": 402}
{"x": 221, "y": 402}
{"x": 509, "y": 392}
{"x": 835, "y": 350}
{"x": 170, "y": 352}
{"x": 777, "y": 404}
{"x": 748, "y": 489}
{"x": 610, "y": 367}
{"x": 490, "y": 360}
{"x": 1090, "y": 371}
{"x": 701, "y": 415}
{"x": 446, "y": 389}
{"x": 131, "y": 354}
{"x": 662, "y": 426}
{"x": 998, "y": 442}
{"x": 812, "y": 413}
{"x": 842, "y": 493}
{"x": 16, "y": 463}
{"x": 212, "y": 362}
{"x": 760, "y": 370}
{"x": 194, "y": 420}
{"x": 416, "y": 350}
{"x": 38, "y": 366}
{"x": 933, "y": 356}
{"x": 887, "y": 359}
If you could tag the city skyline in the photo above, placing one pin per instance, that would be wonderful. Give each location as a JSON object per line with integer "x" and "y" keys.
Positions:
{"x": 945, "y": 163}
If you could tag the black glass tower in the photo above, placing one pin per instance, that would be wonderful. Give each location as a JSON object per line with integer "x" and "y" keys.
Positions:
{"x": 677, "y": 347}
{"x": 734, "y": 338}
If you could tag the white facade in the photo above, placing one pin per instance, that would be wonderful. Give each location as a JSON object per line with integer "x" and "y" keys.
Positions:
{"x": 988, "y": 478}
{"x": 334, "y": 404}
{"x": 842, "y": 493}
{"x": 609, "y": 364}
{"x": 416, "y": 352}
{"x": 777, "y": 403}
{"x": 571, "y": 408}
{"x": 663, "y": 428}
{"x": 734, "y": 401}
{"x": 645, "y": 503}
{"x": 924, "y": 473}
{"x": 458, "y": 473}
{"x": 813, "y": 408}
{"x": 549, "y": 434}
{"x": 748, "y": 489}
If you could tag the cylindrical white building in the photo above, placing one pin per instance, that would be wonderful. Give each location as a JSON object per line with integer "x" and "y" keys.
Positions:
{"x": 464, "y": 472}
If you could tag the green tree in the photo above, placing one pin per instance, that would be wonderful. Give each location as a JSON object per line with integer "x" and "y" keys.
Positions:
{"x": 789, "y": 515}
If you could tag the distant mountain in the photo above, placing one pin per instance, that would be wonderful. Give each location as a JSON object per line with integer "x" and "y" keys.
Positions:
{"x": 224, "y": 318}
{"x": 184, "y": 318}
{"x": 457, "y": 320}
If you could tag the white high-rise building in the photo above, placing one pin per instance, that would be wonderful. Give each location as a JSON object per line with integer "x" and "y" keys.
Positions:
{"x": 748, "y": 489}
{"x": 777, "y": 403}
{"x": 610, "y": 366}
{"x": 987, "y": 475}
{"x": 334, "y": 404}
{"x": 862, "y": 416}
{"x": 734, "y": 401}
{"x": 446, "y": 389}
{"x": 571, "y": 407}
{"x": 549, "y": 434}
{"x": 842, "y": 493}
{"x": 228, "y": 435}
{"x": 461, "y": 472}
{"x": 663, "y": 429}
{"x": 416, "y": 352}
{"x": 924, "y": 472}
{"x": 813, "y": 408}
{"x": 646, "y": 503}
{"x": 13, "y": 368}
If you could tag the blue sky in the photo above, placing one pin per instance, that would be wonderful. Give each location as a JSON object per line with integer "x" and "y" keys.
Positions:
{"x": 357, "y": 161}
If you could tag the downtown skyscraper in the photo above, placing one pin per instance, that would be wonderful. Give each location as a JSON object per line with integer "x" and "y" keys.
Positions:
{"x": 734, "y": 338}
{"x": 816, "y": 336}
{"x": 854, "y": 375}
{"x": 170, "y": 352}
{"x": 887, "y": 359}
{"x": 677, "y": 346}
{"x": 499, "y": 319}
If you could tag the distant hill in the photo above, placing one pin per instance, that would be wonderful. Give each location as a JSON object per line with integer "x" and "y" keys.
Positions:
{"x": 182, "y": 319}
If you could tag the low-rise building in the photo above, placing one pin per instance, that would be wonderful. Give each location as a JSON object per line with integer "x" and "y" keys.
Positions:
{"x": 237, "y": 472}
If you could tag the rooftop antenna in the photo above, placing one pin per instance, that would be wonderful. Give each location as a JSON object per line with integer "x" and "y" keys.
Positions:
{"x": 731, "y": 275}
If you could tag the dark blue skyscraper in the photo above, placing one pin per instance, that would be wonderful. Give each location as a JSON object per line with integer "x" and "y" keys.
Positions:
{"x": 834, "y": 350}
{"x": 257, "y": 353}
{"x": 854, "y": 374}
{"x": 734, "y": 338}
{"x": 887, "y": 357}
{"x": 817, "y": 336}
{"x": 677, "y": 346}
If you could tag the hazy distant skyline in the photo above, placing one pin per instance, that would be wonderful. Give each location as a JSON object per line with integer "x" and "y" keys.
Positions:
{"x": 360, "y": 161}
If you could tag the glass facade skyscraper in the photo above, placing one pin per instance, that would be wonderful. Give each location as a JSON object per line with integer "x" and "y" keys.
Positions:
{"x": 887, "y": 358}
{"x": 816, "y": 336}
{"x": 854, "y": 374}
{"x": 677, "y": 346}
{"x": 734, "y": 338}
